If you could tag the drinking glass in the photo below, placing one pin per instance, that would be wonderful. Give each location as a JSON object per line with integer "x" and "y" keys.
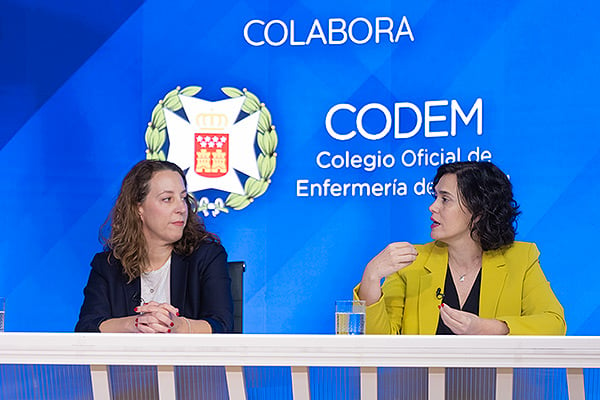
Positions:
{"x": 350, "y": 317}
{"x": 2, "y": 309}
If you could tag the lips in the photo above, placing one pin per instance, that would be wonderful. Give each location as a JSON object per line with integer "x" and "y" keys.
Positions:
{"x": 434, "y": 223}
{"x": 178, "y": 223}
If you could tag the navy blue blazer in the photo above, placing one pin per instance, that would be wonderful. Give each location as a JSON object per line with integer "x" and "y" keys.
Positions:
{"x": 200, "y": 289}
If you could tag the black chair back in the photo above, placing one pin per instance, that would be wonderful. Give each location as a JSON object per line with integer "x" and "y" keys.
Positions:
{"x": 236, "y": 272}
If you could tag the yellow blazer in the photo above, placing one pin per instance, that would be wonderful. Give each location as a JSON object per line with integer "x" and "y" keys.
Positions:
{"x": 513, "y": 289}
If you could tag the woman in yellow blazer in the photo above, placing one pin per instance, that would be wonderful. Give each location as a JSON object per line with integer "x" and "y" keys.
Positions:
{"x": 474, "y": 278}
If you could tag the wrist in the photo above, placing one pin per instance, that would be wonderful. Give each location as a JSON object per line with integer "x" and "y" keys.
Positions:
{"x": 188, "y": 326}
{"x": 504, "y": 329}
{"x": 494, "y": 327}
{"x": 370, "y": 275}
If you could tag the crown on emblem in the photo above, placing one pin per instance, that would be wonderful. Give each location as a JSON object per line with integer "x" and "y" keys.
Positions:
{"x": 211, "y": 121}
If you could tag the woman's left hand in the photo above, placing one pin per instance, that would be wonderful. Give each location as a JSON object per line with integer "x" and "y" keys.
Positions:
{"x": 465, "y": 323}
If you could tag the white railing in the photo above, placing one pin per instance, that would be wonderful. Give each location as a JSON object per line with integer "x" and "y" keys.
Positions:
{"x": 303, "y": 351}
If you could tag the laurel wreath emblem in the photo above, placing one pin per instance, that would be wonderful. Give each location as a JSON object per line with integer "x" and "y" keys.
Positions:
{"x": 266, "y": 139}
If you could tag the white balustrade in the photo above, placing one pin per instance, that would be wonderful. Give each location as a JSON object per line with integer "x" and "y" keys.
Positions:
{"x": 303, "y": 351}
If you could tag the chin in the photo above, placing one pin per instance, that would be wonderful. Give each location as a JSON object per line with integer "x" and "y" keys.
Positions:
{"x": 175, "y": 239}
{"x": 438, "y": 238}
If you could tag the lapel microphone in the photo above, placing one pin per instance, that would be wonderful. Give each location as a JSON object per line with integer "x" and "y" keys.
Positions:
{"x": 439, "y": 294}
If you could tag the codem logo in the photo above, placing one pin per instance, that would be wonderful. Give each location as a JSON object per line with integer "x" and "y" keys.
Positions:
{"x": 334, "y": 31}
{"x": 215, "y": 143}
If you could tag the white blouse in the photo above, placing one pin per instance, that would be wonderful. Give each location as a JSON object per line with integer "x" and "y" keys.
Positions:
{"x": 156, "y": 285}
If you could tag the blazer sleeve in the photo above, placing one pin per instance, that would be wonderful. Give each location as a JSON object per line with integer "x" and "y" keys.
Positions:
{"x": 386, "y": 315}
{"x": 96, "y": 307}
{"x": 541, "y": 312}
{"x": 215, "y": 289}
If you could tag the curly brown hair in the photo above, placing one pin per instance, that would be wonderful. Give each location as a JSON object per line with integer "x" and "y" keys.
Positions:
{"x": 125, "y": 241}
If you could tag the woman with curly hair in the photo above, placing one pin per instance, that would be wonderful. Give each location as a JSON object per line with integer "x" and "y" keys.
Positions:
{"x": 474, "y": 278}
{"x": 161, "y": 271}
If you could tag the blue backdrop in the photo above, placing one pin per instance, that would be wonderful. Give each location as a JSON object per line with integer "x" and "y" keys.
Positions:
{"x": 365, "y": 97}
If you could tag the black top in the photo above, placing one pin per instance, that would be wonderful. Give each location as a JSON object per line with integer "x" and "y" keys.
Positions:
{"x": 200, "y": 289}
{"x": 451, "y": 298}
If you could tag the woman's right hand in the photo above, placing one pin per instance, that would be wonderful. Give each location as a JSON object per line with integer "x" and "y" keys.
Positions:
{"x": 393, "y": 258}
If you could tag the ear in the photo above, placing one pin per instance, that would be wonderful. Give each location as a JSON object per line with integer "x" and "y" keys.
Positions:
{"x": 472, "y": 222}
{"x": 141, "y": 211}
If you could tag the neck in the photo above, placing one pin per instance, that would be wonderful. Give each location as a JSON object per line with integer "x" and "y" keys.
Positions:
{"x": 466, "y": 257}
{"x": 157, "y": 257}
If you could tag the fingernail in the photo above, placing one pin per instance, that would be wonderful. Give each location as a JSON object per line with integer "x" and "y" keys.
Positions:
{"x": 135, "y": 309}
{"x": 145, "y": 303}
{"x": 169, "y": 331}
{"x": 178, "y": 313}
{"x": 440, "y": 306}
{"x": 136, "y": 324}
{"x": 136, "y": 320}
{"x": 172, "y": 324}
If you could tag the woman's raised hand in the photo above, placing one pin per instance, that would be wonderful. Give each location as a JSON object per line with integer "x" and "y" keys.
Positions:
{"x": 393, "y": 258}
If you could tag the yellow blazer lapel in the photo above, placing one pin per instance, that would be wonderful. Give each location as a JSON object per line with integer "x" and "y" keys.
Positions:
{"x": 433, "y": 278}
{"x": 493, "y": 276}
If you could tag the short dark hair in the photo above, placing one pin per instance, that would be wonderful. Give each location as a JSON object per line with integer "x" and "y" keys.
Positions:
{"x": 487, "y": 193}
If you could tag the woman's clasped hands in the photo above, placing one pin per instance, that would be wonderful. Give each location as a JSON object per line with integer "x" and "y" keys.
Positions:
{"x": 156, "y": 317}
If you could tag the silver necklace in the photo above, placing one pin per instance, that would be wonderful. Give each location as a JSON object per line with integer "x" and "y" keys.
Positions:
{"x": 462, "y": 278}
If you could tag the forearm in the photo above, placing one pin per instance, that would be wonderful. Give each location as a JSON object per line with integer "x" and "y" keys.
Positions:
{"x": 119, "y": 325}
{"x": 544, "y": 324}
{"x": 370, "y": 287}
{"x": 186, "y": 325}
{"x": 493, "y": 327}
{"x": 378, "y": 321}
{"x": 215, "y": 315}
{"x": 127, "y": 325}
{"x": 370, "y": 292}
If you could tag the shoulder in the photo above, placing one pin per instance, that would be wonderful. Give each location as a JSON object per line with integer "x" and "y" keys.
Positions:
{"x": 430, "y": 255}
{"x": 106, "y": 263}
{"x": 517, "y": 256}
{"x": 100, "y": 257}
{"x": 105, "y": 259}
{"x": 206, "y": 253}
{"x": 428, "y": 248}
{"x": 431, "y": 252}
{"x": 521, "y": 251}
{"x": 207, "y": 249}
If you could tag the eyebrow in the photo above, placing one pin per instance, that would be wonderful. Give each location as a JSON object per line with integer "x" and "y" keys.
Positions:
{"x": 444, "y": 192}
{"x": 167, "y": 191}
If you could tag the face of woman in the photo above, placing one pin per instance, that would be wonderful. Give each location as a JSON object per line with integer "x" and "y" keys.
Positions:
{"x": 164, "y": 211}
{"x": 450, "y": 219}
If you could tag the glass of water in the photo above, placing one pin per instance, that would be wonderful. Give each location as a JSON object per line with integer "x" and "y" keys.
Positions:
{"x": 350, "y": 317}
{"x": 2, "y": 305}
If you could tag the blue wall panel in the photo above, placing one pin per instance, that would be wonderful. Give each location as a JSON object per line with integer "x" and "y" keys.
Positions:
{"x": 78, "y": 83}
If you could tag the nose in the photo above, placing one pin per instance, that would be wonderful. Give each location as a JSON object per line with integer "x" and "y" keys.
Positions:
{"x": 181, "y": 206}
{"x": 433, "y": 208}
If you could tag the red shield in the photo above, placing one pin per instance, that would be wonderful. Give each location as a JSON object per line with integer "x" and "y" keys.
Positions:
{"x": 211, "y": 154}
